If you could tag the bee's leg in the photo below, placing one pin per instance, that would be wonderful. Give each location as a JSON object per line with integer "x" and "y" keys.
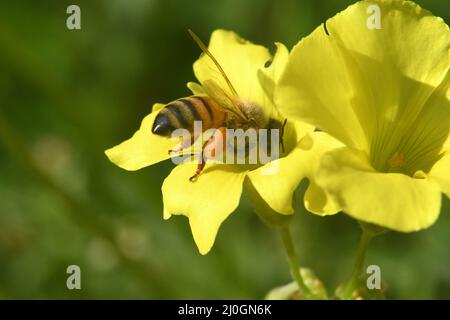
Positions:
{"x": 199, "y": 170}
{"x": 184, "y": 144}
{"x": 203, "y": 159}
{"x": 214, "y": 144}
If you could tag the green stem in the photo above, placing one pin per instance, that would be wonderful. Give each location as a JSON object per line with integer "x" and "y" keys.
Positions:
{"x": 292, "y": 257}
{"x": 347, "y": 292}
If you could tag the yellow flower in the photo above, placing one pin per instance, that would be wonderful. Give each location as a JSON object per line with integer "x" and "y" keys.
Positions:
{"x": 381, "y": 88}
{"x": 216, "y": 194}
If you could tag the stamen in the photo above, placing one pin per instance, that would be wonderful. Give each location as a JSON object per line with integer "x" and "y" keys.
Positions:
{"x": 398, "y": 160}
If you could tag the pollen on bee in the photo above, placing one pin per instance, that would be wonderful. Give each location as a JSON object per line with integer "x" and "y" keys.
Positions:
{"x": 397, "y": 160}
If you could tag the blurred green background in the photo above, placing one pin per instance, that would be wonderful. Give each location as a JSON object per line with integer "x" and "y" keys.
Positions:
{"x": 65, "y": 96}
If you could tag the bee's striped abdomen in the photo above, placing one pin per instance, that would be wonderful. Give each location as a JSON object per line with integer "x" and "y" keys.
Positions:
{"x": 183, "y": 112}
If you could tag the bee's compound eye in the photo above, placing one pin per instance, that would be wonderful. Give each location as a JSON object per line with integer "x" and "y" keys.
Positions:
{"x": 162, "y": 125}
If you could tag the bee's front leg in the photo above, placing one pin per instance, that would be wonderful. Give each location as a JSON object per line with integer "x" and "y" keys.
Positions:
{"x": 216, "y": 143}
{"x": 184, "y": 144}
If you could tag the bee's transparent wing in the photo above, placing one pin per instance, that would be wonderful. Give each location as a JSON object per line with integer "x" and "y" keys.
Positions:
{"x": 225, "y": 101}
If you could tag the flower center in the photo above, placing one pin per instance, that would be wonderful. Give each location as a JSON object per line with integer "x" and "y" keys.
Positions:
{"x": 408, "y": 155}
{"x": 397, "y": 161}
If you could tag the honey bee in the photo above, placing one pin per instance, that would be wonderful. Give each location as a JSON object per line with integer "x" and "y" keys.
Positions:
{"x": 217, "y": 110}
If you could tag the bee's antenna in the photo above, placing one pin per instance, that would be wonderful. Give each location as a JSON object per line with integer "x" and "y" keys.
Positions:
{"x": 209, "y": 54}
{"x": 282, "y": 134}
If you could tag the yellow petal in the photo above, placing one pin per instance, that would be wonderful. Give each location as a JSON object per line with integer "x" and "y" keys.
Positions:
{"x": 410, "y": 38}
{"x": 157, "y": 106}
{"x": 268, "y": 77}
{"x": 402, "y": 69}
{"x": 206, "y": 202}
{"x": 279, "y": 62}
{"x": 311, "y": 92}
{"x": 392, "y": 200}
{"x": 318, "y": 201}
{"x": 195, "y": 88}
{"x": 144, "y": 148}
{"x": 369, "y": 87}
{"x": 241, "y": 60}
{"x": 441, "y": 173}
{"x": 277, "y": 181}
